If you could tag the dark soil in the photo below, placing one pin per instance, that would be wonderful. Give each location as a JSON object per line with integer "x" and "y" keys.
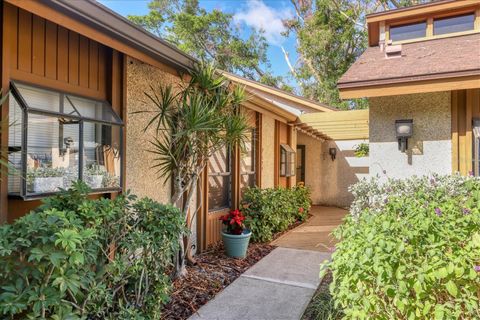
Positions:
{"x": 212, "y": 273}
{"x": 321, "y": 307}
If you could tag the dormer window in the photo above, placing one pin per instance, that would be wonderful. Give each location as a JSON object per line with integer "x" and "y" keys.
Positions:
{"x": 454, "y": 24}
{"x": 408, "y": 31}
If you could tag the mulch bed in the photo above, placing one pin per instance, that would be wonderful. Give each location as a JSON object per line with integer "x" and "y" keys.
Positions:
{"x": 212, "y": 273}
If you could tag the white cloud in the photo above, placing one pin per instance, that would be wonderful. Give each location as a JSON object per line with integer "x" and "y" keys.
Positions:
{"x": 259, "y": 16}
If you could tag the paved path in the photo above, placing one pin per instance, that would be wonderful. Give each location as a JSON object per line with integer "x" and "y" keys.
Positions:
{"x": 280, "y": 286}
{"x": 315, "y": 234}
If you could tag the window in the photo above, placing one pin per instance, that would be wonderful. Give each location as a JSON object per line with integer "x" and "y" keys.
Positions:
{"x": 247, "y": 162}
{"x": 56, "y": 138}
{"x": 287, "y": 161}
{"x": 219, "y": 180}
{"x": 408, "y": 31}
{"x": 453, "y": 24}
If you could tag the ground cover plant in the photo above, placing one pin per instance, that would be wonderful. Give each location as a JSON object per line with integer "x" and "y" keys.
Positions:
{"x": 78, "y": 258}
{"x": 272, "y": 210}
{"x": 410, "y": 250}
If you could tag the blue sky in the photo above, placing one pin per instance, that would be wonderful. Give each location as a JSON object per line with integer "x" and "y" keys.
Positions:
{"x": 249, "y": 14}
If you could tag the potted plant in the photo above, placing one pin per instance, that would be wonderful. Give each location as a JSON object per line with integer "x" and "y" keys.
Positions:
{"x": 45, "y": 179}
{"x": 94, "y": 175}
{"x": 235, "y": 236}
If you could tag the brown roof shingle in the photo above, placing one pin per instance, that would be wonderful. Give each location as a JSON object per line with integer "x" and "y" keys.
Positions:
{"x": 431, "y": 59}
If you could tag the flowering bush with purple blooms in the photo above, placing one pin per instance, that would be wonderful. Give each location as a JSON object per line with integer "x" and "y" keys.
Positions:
{"x": 410, "y": 250}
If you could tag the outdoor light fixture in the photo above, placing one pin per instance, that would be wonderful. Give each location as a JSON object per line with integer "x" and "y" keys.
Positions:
{"x": 333, "y": 153}
{"x": 404, "y": 130}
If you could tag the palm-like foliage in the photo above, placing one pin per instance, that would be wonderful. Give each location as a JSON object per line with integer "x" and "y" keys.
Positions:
{"x": 191, "y": 124}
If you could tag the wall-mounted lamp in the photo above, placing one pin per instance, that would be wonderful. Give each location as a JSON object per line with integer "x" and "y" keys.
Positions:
{"x": 404, "y": 130}
{"x": 332, "y": 152}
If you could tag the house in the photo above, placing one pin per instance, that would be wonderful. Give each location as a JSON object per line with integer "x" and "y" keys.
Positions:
{"x": 78, "y": 73}
{"x": 421, "y": 75}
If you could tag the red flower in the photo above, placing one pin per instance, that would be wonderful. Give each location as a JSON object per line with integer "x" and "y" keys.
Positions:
{"x": 300, "y": 210}
{"x": 233, "y": 222}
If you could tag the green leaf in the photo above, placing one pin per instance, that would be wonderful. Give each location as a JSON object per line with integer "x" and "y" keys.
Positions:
{"x": 442, "y": 273}
{"x": 452, "y": 288}
{"x": 426, "y": 308}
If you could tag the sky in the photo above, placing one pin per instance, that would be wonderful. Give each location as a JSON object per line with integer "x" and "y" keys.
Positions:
{"x": 248, "y": 15}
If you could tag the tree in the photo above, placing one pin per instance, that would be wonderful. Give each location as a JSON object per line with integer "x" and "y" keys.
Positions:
{"x": 331, "y": 35}
{"x": 191, "y": 125}
{"x": 209, "y": 36}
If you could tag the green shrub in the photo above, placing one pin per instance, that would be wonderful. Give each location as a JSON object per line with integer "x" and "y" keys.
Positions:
{"x": 273, "y": 210}
{"x": 80, "y": 258}
{"x": 410, "y": 250}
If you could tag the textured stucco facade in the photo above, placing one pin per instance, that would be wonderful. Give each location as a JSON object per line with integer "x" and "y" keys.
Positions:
{"x": 268, "y": 152}
{"x": 429, "y": 150}
{"x": 329, "y": 179}
{"x": 141, "y": 178}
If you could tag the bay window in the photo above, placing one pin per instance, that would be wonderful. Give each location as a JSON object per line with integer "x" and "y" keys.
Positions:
{"x": 287, "y": 161}
{"x": 57, "y": 138}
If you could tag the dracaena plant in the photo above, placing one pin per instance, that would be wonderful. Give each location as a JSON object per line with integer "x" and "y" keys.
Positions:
{"x": 191, "y": 123}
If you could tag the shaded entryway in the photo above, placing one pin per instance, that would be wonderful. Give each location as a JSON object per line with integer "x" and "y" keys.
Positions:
{"x": 315, "y": 233}
{"x": 280, "y": 286}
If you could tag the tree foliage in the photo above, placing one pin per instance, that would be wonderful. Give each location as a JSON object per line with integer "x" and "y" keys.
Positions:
{"x": 192, "y": 123}
{"x": 209, "y": 36}
{"x": 331, "y": 35}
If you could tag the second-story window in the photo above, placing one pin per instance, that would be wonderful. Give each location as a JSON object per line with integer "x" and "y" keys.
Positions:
{"x": 408, "y": 31}
{"x": 453, "y": 24}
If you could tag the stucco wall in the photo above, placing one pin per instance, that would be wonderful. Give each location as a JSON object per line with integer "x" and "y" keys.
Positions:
{"x": 329, "y": 180}
{"x": 141, "y": 178}
{"x": 268, "y": 151}
{"x": 429, "y": 150}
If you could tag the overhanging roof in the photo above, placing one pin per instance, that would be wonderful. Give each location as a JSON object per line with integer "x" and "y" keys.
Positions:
{"x": 341, "y": 125}
{"x": 450, "y": 63}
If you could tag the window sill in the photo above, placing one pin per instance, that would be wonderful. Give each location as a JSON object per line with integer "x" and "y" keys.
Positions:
{"x": 34, "y": 197}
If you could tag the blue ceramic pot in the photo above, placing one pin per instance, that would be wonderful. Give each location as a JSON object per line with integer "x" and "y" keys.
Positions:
{"x": 236, "y": 244}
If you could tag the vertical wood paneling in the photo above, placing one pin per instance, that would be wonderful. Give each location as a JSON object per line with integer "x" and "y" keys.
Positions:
{"x": 84, "y": 51}
{"x": 51, "y": 50}
{"x": 102, "y": 68}
{"x": 38, "y": 46}
{"x": 62, "y": 54}
{"x": 465, "y": 108}
{"x": 25, "y": 41}
{"x": 11, "y": 26}
{"x": 73, "y": 58}
{"x": 93, "y": 66}
{"x": 455, "y": 164}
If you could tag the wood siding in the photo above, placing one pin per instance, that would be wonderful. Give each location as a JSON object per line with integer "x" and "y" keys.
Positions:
{"x": 44, "y": 53}
{"x": 465, "y": 108}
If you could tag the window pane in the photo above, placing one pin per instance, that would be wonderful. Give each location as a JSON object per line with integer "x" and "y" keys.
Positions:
{"x": 52, "y": 153}
{"x": 246, "y": 181}
{"x": 247, "y": 159}
{"x": 409, "y": 31}
{"x": 44, "y": 99}
{"x": 453, "y": 24}
{"x": 14, "y": 146}
{"x": 102, "y": 162}
{"x": 93, "y": 109}
{"x": 218, "y": 192}
{"x": 219, "y": 180}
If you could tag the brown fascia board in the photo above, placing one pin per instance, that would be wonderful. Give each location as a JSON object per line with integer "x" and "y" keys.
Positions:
{"x": 270, "y": 89}
{"x": 95, "y": 14}
{"x": 370, "y": 16}
{"x": 386, "y": 81}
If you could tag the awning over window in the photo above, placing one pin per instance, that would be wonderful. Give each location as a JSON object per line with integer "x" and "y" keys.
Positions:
{"x": 340, "y": 125}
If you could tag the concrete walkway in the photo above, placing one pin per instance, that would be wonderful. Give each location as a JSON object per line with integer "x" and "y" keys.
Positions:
{"x": 280, "y": 286}
{"x": 315, "y": 234}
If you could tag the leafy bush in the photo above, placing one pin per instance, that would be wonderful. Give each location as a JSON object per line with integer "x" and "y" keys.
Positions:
{"x": 362, "y": 150}
{"x": 410, "y": 250}
{"x": 80, "y": 258}
{"x": 273, "y": 210}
